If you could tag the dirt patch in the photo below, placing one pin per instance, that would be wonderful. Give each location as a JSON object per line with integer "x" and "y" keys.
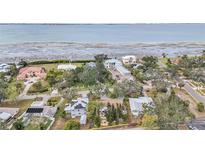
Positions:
{"x": 59, "y": 124}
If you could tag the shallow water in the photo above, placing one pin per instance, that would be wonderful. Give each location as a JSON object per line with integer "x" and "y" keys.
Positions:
{"x": 41, "y": 41}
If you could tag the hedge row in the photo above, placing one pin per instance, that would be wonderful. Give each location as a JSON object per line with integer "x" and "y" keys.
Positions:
{"x": 58, "y": 61}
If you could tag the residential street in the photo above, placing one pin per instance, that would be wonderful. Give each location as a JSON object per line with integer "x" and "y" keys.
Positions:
{"x": 197, "y": 124}
{"x": 194, "y": 94}
{"x": 191, "y": 91}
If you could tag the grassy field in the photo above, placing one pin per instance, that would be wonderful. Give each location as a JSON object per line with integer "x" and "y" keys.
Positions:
{"x": 22, "y": 105}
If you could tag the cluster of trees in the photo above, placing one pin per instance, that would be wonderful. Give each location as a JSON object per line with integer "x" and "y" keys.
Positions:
{"x": 3, "y": 86}
{"x": 98, "y": 90}
{"x": 54, "y": 76}
{"x": 161, "y": 85}
{"x": 94, "y": 75}
{"x": 115, "y": 113}
{"x": 39, "y": 86}
{"x": 200, "y": 107}
{"x": 93, "y": 114}
{"x": 127, "y": 88}
{"x": 191, "y": 67}
{"x": 18, "y": 125}
{"x": 72, "y": 125}
{"x": 148, "y": 70}
{"x": 69, "y": 93}
{"x": 149, "y": 62}
{"x": 169, "y": 111}
{"x": 88, "y": 76}
{"x": 139, "y": 75}
{"x": 9, "y": 89}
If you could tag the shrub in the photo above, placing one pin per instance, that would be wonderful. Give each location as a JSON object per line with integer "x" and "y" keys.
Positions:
{"x": 53, "y": 101}
{"x": 200, "y": 107}
{"x": 72, "y": 125}
{"x": 18, "y": 125}
{"x": 39, "y": 87}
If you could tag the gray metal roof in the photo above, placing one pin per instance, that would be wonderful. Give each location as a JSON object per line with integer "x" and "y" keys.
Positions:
{"x": 136, "y": 104}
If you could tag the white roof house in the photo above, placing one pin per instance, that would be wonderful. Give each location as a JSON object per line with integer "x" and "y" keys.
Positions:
{"x": 136, "y": 104}
{"x": 4, "y": 116}
{"x": 77, "y": 107}
{"x": 66, "y": 67}
{"x": 129, "y": 59}
{"x": 4, "y": 67}
{"x": 114, "y": 63}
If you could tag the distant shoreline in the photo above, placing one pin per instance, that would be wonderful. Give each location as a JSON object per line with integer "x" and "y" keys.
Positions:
{"x": 32, "y": 51}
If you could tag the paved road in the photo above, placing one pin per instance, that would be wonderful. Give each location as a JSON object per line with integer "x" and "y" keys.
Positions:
{"x": 194, "y": 94}
{"x": 197, "y": 124}
{"x": 191, "y": 91}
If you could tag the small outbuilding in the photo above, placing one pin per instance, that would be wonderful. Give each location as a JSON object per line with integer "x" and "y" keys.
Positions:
{"x": 66, "y": 67}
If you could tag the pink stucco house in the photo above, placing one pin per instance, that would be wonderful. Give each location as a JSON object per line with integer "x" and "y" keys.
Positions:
{"x": 28, "y": 72}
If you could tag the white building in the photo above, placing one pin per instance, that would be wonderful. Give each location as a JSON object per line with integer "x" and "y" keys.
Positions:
{"x": 128, "y": 60}
{"x": 91, "y": 65}
{"x": 77, "y": 108}
{"x": 136, "y": 104}
{"x": 4, "y": 116}
{"x": 4, "y": 68}
{"x": 66, "y": 67}
{"x": 112, "y": 63}
{"x": 116, "y": 64}
{"x": 7, "y": 113}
